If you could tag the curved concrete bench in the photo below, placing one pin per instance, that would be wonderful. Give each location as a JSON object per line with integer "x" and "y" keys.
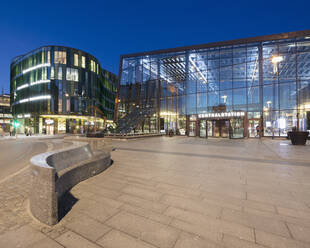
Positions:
{"x": 54, "y": 173}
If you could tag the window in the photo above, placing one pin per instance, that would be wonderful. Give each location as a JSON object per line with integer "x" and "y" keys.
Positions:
{"x": 72, "y": 74}
{"x": 48, "y": 57}
{"x": 42, "y": 56}
{"x": 60, "y": 57}
{"x": 76, "y": 59}
{"x": 83, "y": 62}
{"x": 44, "y": 73}
{"x": 59, "y": 104}
{"x": 52, "y": 73}
{"x": 93, "y": 66}
{"x": 59, "y": 74}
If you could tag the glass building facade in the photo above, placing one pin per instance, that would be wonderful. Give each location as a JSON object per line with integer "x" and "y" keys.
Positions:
{"x": 56, "y": 89}
{"x": 241, "y": 88}
{"x": 5, "y": 113}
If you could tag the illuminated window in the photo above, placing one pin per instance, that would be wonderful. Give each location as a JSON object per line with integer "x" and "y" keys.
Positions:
{"x": 60, "y": 57}
{"x": 42, "y": 56}
{"x": 93, "y": 66}
{"x": 59, "y": 105}
{"x": 83, "y": 62}
{"x": 44, "y": 73}
{"x": 97, "y": 69}
{"x": 76, "y": 59}
{"x": 52, "y": 73}
{"x": 59, "y": 75}
{"x": 68, "y": 105}
{"x": 72, "y": 74}
{"x": 48, "y": 57}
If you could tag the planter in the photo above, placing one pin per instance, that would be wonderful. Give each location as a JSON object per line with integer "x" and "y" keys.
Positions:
{"x": 298, "y": 137}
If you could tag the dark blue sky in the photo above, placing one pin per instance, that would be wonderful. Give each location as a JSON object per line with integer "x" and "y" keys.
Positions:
{"x": 107, "y": 29}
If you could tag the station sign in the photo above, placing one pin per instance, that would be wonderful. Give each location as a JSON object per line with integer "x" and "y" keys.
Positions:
{"x": 222, "y": 114}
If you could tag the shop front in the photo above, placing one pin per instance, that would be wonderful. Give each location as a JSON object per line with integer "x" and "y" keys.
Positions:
{"x": 58, "y": 124}
{"x": 53, "y": 124}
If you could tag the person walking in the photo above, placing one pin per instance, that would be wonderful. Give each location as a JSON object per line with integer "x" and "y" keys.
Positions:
{"x": 257, "y": 130}
{"x": 11, "y": 130}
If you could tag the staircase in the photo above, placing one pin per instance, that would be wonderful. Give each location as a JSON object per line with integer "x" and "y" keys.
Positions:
{"x": 130, "y": 121}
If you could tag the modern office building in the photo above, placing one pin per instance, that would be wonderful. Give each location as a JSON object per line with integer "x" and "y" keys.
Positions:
{"x": 56, "y": 89}
{"x": 5, "y": 113}
{"x": 240, "y": 88}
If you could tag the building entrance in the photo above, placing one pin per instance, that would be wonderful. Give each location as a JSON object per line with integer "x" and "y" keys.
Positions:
{"x": 254, "y": 128}
{"x": 218, "y": 128}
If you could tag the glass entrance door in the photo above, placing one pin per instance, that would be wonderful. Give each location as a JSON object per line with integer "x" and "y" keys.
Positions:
{"x": 203, "y": 128}
{"x": 224, "y": 128}
{"x": 192, "y": 128}
{"x": 50, "y": 129}
{"x": 210, "y": 128}
{"x": 218, "y": 128}
{"x": 237, "y": 128}
{"x": 253, "y": 128}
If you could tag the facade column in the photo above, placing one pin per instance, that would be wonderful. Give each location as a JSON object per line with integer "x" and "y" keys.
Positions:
{"x": 261, "y": 85}
{"x": 185, "y": 90}
{"x": 158, "y": 95}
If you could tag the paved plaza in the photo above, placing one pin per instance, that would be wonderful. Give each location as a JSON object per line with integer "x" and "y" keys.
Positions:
{"x": 176, "y": 192}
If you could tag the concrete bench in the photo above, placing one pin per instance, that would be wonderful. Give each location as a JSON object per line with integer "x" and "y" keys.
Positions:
{"x": 55, "y": 173}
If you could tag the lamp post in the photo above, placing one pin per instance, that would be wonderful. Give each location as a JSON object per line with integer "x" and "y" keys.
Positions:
{"x": 224, "y": 98}
{"x": 269, "y": 113}
{"x": 276, "y": 59}
{"x": 96, "y": 109}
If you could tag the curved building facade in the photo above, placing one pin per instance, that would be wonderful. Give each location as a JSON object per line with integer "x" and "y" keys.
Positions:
{"x": 56, "y": 89}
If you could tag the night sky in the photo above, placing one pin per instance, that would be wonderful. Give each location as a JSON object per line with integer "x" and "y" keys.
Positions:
{"x": 107, "y": 29}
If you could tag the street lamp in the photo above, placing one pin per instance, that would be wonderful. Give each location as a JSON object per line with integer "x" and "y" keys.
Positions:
{"x": 275, "y": 60}
{"x": 269, "y": 115}
{"x": 268, "y": 103}
{"x": 224, "y": 97}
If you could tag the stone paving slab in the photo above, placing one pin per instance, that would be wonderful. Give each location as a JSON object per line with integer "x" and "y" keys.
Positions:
{"x": 116, "y": 239}
{"x": 177, "y": 193}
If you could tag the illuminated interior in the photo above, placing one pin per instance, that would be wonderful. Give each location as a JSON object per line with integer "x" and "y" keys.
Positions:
{"x": 267, "y": 78}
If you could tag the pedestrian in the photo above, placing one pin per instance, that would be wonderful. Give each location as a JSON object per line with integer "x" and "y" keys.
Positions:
{"x": 257, "y": 130}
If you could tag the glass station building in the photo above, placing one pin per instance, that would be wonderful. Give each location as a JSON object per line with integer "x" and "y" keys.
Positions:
{"x": 241, "y": 88}
{"x": 56, "y": 89}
